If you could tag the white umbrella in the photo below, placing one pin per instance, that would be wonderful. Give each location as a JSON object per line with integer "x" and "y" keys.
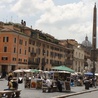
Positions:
{"x": 18, "y": 70}
{"x": 27, "y": 70}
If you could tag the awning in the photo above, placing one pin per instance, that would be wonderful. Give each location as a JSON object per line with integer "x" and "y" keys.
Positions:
{"x": 63, "y": 68}
{"x": 88, "y": 74}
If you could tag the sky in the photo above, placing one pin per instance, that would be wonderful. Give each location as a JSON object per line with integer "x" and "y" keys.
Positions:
{"x": 63, "y": 19}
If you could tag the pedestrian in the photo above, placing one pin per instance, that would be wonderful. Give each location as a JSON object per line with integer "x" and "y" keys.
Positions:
{"x": 49, "y": 84}
{"x": 94, "y": 81}
{"x": 12, "y": 84}
{"x": 87, "y": 83}
{"x": 59, "y": 85}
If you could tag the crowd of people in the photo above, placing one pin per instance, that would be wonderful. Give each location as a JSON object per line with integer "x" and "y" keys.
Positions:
{"x": 87, "y": 81}
{"x": 77, "y": 80}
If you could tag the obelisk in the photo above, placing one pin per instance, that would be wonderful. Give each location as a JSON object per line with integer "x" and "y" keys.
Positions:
{"x": 94, "y": 27}
{"x": 93, "y": 53}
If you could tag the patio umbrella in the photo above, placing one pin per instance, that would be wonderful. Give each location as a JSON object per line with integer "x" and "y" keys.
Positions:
{"x": 18, "y": 70}
{"x": 34, "y": 70}
{"x": 63, "y": 68}
{"x": 27, "y": 70}
{"x": 88, "y": 74}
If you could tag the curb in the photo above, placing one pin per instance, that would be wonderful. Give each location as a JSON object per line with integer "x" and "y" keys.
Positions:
{"x": 82, "y": 92}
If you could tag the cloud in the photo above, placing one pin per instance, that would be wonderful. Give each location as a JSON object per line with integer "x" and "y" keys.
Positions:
{"x": 69, "y": 12}
{"x": 5, "y": 5}
{"x": 2, "y": 7}
{"x": 67, "y": 21}
{"x": 6, "y": 1}
{"x": 31, "y": 7}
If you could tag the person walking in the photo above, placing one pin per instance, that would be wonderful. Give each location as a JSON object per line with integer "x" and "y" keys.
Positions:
{"x": 87, "y": 83}
{"x": 49, "y": 84}
{"x": 59, "y": 85}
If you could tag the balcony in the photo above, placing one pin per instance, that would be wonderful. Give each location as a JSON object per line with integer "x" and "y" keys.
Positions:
{"x": 33, "y": 63}
{"x": 33, "y": 54}
{"x": 55, "y": 64}
{"x": 69, "y": 62}
{"x": 43, "y": 63}
{"x": 22, "y": 62}
{"x": 69, "y": 55}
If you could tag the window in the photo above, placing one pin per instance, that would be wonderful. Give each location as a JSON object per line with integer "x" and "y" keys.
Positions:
{"x": 47, "y": 52}
{"x": 14, "y": 40}
{"x": 30, "y": 41}
{"x": 20, "y": 60}
{"x": 25, "y": 43}
{"x": 5, "y": 39}
{"x": 44, "y": 45}
{"x": 4, "y": 58}
{"x": 79, "y": 54}
{"x": 38, "y": 44}
{"x": 76, "y": 53}
{"x": 38, "y": 50}
{"x": 51, "y": 61}
{"x": 25, "y": 52}
{"x": 14, "y": 50}
{"x": 47, "y": 61}
{"x": 25, "y": 60}
{"x": 47, "y": 46}
{"x": 21, "y": 41}
{"x": 20, "y": 51}
{"x": 5, "y": 49}
{"x": 32, "y": 49}
{"x": 38, "y": 60}
{"x": 29, "y": 49}
{"x": 33, "y": 42}
{"x": 43, "y": 51}
{"x": 14, "y": 59}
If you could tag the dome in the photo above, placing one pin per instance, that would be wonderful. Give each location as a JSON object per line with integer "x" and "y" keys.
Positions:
{"x": 86, "y": 42}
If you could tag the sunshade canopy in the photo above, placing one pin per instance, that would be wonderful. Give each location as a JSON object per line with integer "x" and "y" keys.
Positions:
{"x": 18, "y": 70}
{"x": 88, "y": 74}
{"x": 63, "y": 68}
{"x": 34, "y": 70}
{"x": 27, "y": 70}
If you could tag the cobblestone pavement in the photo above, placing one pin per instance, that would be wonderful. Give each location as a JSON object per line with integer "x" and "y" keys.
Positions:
{"x": 34, "y": 93}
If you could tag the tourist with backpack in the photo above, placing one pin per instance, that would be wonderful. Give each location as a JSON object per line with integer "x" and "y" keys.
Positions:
{"x": 14, "y": 83}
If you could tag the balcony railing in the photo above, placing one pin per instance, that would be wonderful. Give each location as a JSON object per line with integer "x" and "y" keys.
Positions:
{"x": 69, "y": 62}
{"x": 33, "y": 54}
{"x": 33, "y": 63}
{"x": 22, "y": 62}
{"x": 56, "y": 64}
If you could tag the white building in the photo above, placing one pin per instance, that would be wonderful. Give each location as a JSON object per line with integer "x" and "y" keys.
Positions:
{"x": 78, "y": 62}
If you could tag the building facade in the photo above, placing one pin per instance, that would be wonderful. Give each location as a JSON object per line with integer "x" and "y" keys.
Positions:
{"x": 23, "y": 47}
{"x": 78, "y": 62}
{"x": 14, "y": 51}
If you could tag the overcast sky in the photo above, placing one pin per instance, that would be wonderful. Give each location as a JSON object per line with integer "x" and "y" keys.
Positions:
{"x": 63, "y": 19}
